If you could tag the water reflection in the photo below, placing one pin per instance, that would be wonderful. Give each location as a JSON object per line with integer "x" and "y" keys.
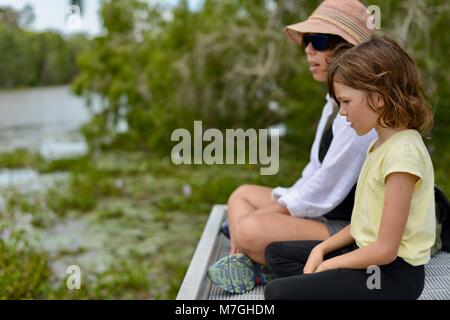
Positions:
{"x": 43, "y": 120}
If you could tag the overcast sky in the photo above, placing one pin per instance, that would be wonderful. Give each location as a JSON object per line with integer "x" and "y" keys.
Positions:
{"x": 50, "y": 14}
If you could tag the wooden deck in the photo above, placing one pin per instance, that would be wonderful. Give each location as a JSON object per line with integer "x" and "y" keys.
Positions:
{"x": 213, "y": 245}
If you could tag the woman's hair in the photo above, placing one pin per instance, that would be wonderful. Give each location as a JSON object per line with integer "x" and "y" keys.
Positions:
{"x": 335, "y": 40}
{"x": 381, "y": 66}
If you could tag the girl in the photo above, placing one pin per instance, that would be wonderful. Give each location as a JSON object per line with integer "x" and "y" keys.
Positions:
{"x": 376, "y": 85}
{"x": 319, "y": 204}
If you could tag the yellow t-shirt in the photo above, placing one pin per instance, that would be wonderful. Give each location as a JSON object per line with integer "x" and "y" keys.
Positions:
{"x": 402, "y": 152}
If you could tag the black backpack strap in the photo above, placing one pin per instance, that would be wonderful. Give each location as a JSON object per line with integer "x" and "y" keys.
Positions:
{"x": 344, "y": 210}
{"x": 327, "y": 135}
{"x": 442, "y": 217}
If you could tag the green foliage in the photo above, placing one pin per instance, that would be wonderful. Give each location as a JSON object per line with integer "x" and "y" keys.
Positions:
{"x": 159, "y": 74}
{"x": 85, "y": 185}
{"x": 60, "y": 165}
{"x": 19, "y": 158}
{"x": 24, "y": 271}
{"x": 124, "y": 280}
{"x": 35, "y": 59}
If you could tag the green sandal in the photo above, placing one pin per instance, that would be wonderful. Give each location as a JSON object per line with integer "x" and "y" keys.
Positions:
{"x": 238, "y": 274}
{"x": 234, "y": 273}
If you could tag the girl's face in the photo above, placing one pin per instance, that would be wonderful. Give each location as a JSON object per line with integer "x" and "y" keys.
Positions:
{"x": 317, "y": 61}
{"x": 354, "y": 106}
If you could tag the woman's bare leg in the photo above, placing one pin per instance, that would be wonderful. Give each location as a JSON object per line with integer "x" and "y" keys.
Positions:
{"x": 243, "y": 201}
{"x": 254, "y": 232}
{"x": 255, "y": 220}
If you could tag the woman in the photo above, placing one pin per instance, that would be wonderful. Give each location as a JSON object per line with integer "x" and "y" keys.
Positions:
{"x": 319, "y": 204}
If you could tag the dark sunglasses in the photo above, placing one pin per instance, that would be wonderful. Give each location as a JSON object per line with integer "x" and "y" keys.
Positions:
{"x": 320, "y": 42}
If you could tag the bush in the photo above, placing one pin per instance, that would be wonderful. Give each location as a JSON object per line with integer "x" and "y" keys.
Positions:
{"x": 24, "y": 271}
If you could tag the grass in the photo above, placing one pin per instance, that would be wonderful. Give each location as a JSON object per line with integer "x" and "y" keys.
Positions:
{"x": 19, "y": 158}
{"x": 24, "y": 271}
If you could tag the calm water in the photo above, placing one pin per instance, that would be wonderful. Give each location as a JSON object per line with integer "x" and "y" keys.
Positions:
{"x": 43, "y": 120}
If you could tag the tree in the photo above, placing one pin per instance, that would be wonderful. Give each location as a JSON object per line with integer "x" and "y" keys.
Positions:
{"x": 27, "y": 16}
{"x": 35, "y": 58}
{"x": 228, "y": 64}
{"x": 9, "y": 17}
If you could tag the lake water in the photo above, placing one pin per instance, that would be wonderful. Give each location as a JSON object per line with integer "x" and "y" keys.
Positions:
{"x": 43, "y": 120}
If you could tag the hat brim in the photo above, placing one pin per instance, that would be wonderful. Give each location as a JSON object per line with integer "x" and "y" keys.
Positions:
{"x": 295, "y": 31}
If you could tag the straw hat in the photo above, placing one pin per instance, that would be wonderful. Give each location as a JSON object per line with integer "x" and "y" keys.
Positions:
{"x": 345, "y": 18}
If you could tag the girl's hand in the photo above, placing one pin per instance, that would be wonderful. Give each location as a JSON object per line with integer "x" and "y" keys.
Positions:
{"x": 315, "y": 259}
{"x": 324, "y": 266}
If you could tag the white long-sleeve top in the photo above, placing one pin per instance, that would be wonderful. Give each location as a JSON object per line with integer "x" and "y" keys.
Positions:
{"x": 322, "y": 186}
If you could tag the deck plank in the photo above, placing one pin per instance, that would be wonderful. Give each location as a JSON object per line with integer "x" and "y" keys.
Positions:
{"x": 194, "y": 285}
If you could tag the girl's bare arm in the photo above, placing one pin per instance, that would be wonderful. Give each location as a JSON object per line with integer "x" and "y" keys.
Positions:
{"x": 397, "y": 201}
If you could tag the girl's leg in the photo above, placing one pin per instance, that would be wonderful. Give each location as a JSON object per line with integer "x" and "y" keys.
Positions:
{"x": 288, "y": 258}
{"x": 397, "y": 280}
{"x": 348, "y": 284}
{"x": 244, "y": 200}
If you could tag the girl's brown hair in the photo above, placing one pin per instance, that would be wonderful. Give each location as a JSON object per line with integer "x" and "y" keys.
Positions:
{"x": 381, "y": 66}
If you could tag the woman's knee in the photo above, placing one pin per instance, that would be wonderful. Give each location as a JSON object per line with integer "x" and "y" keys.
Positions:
{"x": 248, "y": 232}
{"x": 240, "y": 192}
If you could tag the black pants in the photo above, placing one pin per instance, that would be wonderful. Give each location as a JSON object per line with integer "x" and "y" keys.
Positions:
{"x": 398, "y": 280}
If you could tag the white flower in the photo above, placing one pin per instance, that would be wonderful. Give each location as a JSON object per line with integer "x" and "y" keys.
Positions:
{"x": 118, "y": 183}
{"x": 187, "y": 190}
{"x": 6, "y": 234}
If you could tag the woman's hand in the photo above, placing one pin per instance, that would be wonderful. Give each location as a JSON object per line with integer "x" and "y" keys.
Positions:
{"x": 315, "y": 259}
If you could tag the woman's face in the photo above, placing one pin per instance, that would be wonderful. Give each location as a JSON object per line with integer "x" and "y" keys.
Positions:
{"x": 318, "y": 62}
